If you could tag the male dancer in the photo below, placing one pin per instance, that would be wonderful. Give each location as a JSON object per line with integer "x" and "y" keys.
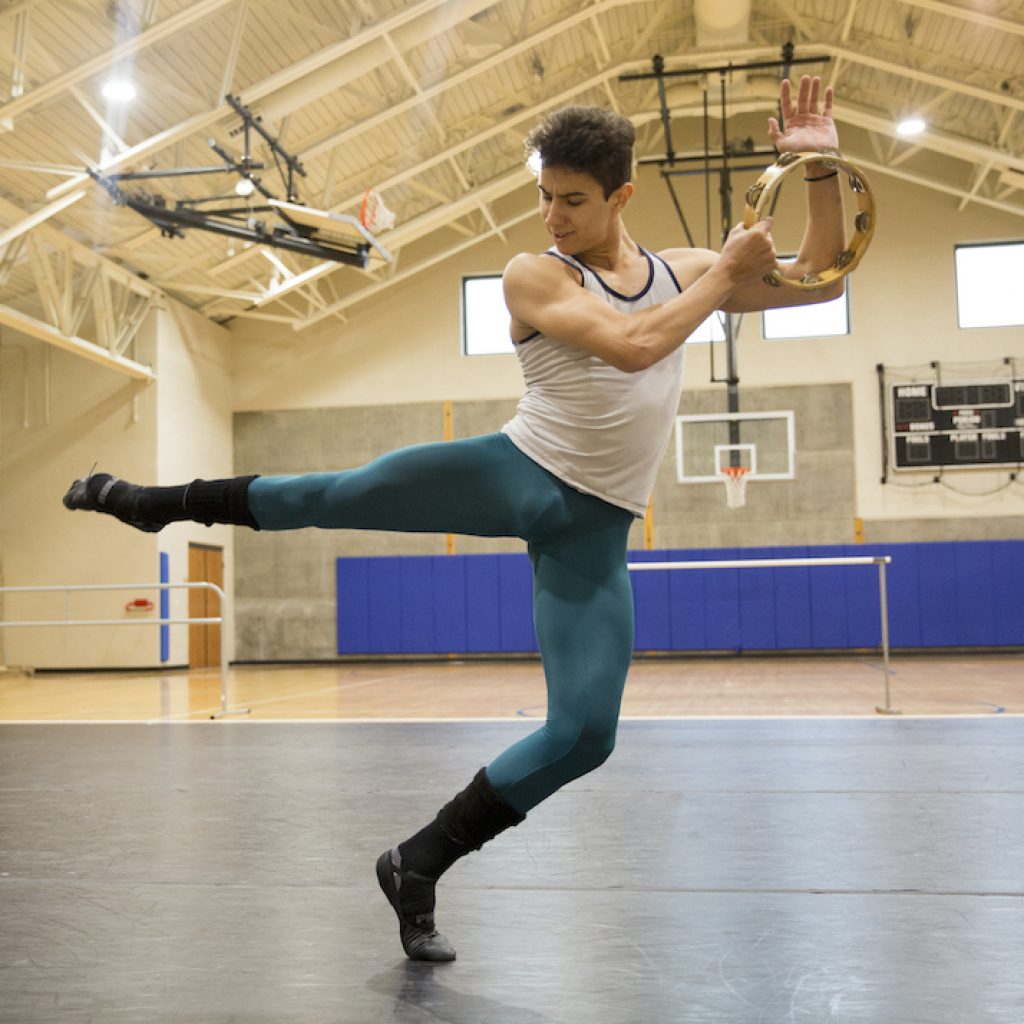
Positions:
{"x": 599, "y": 324}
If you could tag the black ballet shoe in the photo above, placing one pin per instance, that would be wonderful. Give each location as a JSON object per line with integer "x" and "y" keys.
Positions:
{"x": 102, "y": 492}
{"x": 420, "y": 939}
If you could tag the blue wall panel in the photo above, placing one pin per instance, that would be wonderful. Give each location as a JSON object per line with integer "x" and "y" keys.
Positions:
{"x": 686, "y": 601}
{"x": 793, "y": 626}
{"x": 449, "y": 603}
{"x": 165, "y": 607}
{"x": 756, "y": 602}
{"x": 960, "y": 594}
{"x": 652, "y": 610}
{"x": 826, "y": 588}
{"x": 903, "y": 588}
{"x": 415, "y": 597}
{"x": 937, "y": 585}
{"x": 1007, "y": 574}
{"x": 483, "y": 611}
{"x": 722, "y": 608}
{"x": 515, "y": 597}
{"x": 972, "y": 599}
{"x": 353, "y": 590}
{"x": 384, "y": 606}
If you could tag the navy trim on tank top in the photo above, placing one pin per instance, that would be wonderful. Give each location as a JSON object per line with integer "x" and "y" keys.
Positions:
{"x": 619, "y": 295}
{"x": 570, "y": 261}
{"x": 529, "y": 337}
{"x": 668, "y": 268}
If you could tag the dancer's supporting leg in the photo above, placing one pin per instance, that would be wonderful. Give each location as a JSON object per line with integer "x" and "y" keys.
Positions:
{"x": 583, "y": 613}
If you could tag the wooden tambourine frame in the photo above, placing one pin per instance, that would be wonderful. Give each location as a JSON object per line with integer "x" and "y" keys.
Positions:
{"x": 761, "y": 194}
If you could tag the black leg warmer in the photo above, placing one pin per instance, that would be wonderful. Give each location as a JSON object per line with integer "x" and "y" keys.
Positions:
{"x": 220, "y": 501}
{"x": 408, "y": 873}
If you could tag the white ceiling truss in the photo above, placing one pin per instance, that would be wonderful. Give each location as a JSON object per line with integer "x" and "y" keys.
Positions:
{"x": 427, "y": 101}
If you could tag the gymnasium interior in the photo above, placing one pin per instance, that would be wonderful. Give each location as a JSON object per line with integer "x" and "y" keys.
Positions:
{"x": 245, "y": 237}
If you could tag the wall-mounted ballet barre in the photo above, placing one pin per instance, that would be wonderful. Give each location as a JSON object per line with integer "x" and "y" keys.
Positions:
{"x": 68, "y": 589}
{"x": 805, "y": 563}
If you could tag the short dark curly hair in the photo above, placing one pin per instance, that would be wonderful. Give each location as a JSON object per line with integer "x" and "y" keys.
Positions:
{"x": 593, "y": 140}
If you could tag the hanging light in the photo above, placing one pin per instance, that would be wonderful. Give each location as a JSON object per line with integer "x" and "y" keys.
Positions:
{"x": 118, "y": 90}
{"x": 244, "y": 187}
{"x": 910, "y": 126}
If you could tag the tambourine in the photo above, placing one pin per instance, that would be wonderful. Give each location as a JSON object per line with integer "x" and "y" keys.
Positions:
{"x": 759, "y": 198}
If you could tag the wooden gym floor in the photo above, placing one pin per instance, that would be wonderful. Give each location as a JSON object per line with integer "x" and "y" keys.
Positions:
{"x": 844, "y": 685}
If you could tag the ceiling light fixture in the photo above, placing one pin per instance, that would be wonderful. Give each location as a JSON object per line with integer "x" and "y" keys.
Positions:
{"x": 910, "y": 126}
{"x": 118, "y": 90}
{"x": 244, "y": 187}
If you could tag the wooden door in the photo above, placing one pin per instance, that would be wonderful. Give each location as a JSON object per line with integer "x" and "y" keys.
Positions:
{"x": 205, "y": 565}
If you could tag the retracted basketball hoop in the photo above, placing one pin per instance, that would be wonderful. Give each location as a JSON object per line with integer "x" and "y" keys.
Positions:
{"x": 735, "y": 479}
{"x": 373, "y": 213}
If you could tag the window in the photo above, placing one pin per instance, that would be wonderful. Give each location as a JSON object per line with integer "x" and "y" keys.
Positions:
{"x": 988, "y": 284}
{"x": 485, "y": 319}
{"x": 820, "y": 320}
{"x": 713, "y": 329}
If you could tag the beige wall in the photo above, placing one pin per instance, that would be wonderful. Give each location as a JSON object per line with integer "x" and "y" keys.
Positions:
{"x": 68, "y": 414}
{"x": 403, "y": 346}
{"x": 193, "y": 440}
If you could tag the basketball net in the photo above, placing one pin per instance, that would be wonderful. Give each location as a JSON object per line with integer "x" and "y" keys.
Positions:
{"x": 373, "y": 214}
{"x": 735, "y": 478}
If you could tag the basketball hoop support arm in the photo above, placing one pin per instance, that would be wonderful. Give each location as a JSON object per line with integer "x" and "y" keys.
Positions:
{"x": 235, "y": 221}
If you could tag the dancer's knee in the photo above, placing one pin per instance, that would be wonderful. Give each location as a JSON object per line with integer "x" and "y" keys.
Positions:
{"x": 583, "y": 749}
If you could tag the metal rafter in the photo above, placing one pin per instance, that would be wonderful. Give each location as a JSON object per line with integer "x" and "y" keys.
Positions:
{"x": 55, "y": 86}
{"x": 252, "y": 94}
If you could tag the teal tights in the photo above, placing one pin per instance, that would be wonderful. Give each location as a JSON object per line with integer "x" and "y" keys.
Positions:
{"x": 583, "y": 604}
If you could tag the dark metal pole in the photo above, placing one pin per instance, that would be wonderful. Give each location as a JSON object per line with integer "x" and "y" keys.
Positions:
{"x": 731, "y": 379}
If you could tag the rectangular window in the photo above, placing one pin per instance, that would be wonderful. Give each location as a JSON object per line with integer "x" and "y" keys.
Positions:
{"x": 485, "y": 319}
{"x": 819, "y": 320}
{"x": 988, "y": 284}
{"x": 713, "y": 329}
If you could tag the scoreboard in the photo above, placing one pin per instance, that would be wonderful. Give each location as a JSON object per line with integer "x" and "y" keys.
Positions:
{"x": 963, "y": 424}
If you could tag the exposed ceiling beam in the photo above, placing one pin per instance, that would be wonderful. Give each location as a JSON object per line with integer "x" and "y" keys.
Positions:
{"x": 969, "y": 13}
{"x": 79, "y": 346}
{"x": 916, "y": 74}
{"x": 26, "y": 224}
{"x": 938, "y": 186}
{"x": 254, "y": 93}
{"x": 393, "y": 110}
{"x": 55, "y": 86}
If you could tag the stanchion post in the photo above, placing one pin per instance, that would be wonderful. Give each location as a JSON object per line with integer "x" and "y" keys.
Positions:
{"x": 224, "y": 710}
{"x": 883, "y": 603}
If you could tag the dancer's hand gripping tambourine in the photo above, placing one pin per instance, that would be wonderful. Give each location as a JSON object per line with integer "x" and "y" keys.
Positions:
{"x": 759, "y": 202}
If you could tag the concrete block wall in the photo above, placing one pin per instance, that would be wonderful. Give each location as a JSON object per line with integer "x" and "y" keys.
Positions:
{"x": 284, "y": 582}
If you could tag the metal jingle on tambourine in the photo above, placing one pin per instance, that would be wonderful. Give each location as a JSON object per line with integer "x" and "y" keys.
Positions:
{"x": 760, "y": 197}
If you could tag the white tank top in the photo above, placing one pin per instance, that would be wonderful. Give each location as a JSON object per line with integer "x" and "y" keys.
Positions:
{"x": 599, "y": 429}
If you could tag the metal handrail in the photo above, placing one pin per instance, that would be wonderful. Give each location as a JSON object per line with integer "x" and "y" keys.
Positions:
{"x": 68, "y": 621}
{"x": 791, "y": 563}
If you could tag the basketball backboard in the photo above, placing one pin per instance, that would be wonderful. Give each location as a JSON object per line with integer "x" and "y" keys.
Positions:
{"x": 707, "y": 444}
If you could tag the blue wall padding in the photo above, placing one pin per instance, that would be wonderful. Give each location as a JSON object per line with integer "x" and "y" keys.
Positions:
{"x": 483, "y": 626}
{"x": 1007, "y": 574}
{"x": 951, "y": 594}
{"x": 165, "y": 607}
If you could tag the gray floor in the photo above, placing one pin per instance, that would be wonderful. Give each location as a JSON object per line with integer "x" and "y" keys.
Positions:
{"x": 730, "y": 871}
